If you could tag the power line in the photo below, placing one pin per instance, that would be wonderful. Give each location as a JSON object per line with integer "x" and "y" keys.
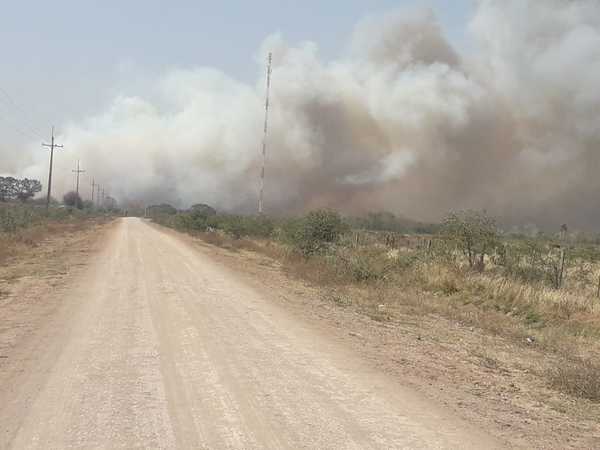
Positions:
{"x": 25, "y": 115}
{"x": 22, "y": 131}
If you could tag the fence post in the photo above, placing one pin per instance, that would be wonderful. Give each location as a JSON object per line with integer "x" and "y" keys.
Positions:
{"x": 562, "y": 267}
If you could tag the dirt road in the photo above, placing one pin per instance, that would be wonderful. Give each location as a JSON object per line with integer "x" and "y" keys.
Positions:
{"x": 155, "y": 345}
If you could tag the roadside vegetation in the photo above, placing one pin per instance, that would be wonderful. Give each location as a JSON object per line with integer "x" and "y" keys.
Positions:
{"x": 539, "y": 290}
{"x": 25, "y": 222}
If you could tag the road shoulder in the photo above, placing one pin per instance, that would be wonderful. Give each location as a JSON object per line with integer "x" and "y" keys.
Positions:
{"x": 483, "y": 379}
{"x": 34, "y": 306}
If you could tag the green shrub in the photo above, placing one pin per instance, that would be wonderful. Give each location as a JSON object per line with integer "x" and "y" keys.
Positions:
{"x": 474, "y": 233}
{"x": 201, "y": 209}
{"x": 233, "y": 225}
{"x": 15, "y": 217}
{"x": 314, "y": 232}
{"x": 532, "y": 261}
{"x": 72, "y": 199}
{"x": 242, "y": 226}
{"x": 261, "y": 226}
{"x": 367, "y": 267}
{"x": 162, "y": 209}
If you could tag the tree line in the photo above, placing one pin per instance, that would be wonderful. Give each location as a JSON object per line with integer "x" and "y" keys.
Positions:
{"x": 21, "y": 189}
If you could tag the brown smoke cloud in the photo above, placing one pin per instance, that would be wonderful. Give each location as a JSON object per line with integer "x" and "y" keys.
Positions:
{"x": 402, "y": 122}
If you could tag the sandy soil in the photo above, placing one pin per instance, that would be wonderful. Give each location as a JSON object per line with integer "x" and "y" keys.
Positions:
{"x": 145, "y": 340}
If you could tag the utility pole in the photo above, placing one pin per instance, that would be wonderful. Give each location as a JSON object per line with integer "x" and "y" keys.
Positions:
{"x": 78, "y": 171}
{"x": 52, "y": 146}
{"x": 264, "y": 142}
{"x": 102, "y": 203}
{"x": 93, "y": 188}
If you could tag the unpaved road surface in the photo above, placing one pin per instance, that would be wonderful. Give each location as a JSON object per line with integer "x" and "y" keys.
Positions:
{"x": 155, "y": 345}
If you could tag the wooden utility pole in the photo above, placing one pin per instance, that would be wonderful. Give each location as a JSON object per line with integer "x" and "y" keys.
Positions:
{"x": 52, "y": 146}
{"x": 78, "y": 171}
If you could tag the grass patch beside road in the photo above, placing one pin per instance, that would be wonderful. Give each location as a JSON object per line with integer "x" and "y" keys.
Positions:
{"x": 26, "y": 226}
{"x": 474, "y": 277}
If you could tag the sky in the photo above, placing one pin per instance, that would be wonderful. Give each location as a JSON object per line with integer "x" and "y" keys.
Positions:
{"x": 413, "y": 107}
{"x": 66, "y": 59}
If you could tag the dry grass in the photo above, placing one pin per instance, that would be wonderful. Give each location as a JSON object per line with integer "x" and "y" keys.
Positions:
{"x": 536, "y": 306}
{"x": 383, "y": 286}
{"x": 13, "y": 244}
{"x": 577, "y": 377}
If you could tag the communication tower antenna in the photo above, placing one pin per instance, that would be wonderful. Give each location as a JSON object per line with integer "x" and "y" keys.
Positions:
{"x": 264, "y": 142}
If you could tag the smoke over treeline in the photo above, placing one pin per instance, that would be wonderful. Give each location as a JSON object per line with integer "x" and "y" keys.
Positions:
{"x": 402, "y": 122}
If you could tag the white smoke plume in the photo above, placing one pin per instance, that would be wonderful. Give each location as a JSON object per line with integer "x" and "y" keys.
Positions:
{"x": 401, "y": 122}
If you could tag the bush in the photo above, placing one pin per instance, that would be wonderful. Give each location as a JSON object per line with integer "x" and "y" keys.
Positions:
{"x": 17, "y": 217}
{"x": 201, "y": 209}
{"x": 13, "y": 218}
{"x": 314, "y": 232}
{"x": 367, "y": 266}
{"x": 232, "y": 225}
{"x": 532, "y": 261}
{"x": 259, "y": 226}
{"x": 579, "y": 377}
{"x": 162, "y": 209}
{"x": 475, "y": 234}
{"x": 201, "y": 219}
{"x": 244, "y": 226}
{"x": 73, "y": 200}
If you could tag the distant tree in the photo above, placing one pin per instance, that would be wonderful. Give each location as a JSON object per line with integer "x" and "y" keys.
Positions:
{"x": 26, "y": 189}
{"x": 387, "y": 221}
{"x": 8, "y": 187}
{"x": 73, "y": 200}
{"x": 18, "y": 189}
{"x": 200, "y": 209}
{"x": 475, "y": 234}
{"x": 564, "y": 229}
{"x": 163, "y": 208}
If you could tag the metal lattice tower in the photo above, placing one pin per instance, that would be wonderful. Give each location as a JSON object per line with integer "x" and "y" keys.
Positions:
{"x": 264, "y": 142}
